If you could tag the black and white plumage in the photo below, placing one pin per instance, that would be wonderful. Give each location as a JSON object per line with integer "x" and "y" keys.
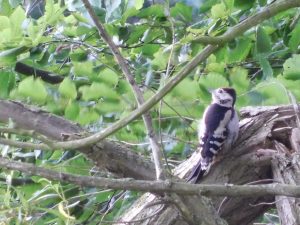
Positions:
{"x": 217, "y": 130}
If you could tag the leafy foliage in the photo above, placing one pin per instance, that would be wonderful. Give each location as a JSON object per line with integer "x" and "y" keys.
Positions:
{"x": 156, "y": 40}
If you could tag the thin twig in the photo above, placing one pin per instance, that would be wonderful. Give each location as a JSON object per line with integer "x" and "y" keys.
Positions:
{"x": 156, "y": 151}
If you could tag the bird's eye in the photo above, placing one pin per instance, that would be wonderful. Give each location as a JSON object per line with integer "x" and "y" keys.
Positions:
{"x": 220, "y": 91}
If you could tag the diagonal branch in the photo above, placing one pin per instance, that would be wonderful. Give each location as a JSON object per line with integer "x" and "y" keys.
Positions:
{"x": 156, "y": 151}
{"x": 260, "y": 16}
{"x": 144, "y": 107}
{"x": 233, "y": 32}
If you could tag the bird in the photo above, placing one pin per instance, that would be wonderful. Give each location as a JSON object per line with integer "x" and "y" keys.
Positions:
{"x": 217, "y": 130}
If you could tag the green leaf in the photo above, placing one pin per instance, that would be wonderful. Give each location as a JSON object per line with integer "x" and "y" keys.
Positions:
{"x": 240, "y": 52}
{"x": 216, "y": 67}
{"x": 160, "y": 59}
{"x": 138, "y": 4}
{"x": 152, "y": 11}
{"x": 4, "y": 22}
{"x": 67, "y": 89}
{"x": 105, "y": 107}
{"x": 186, "y": 90}
{"x": 242, "y": 4}
{"x": 72, "y": 111}
{"x": 7, "y": 81}
{"x": 182, "y": 11}
{"x": 266, "y": 67}
{"x": 206, "y": 5}
{"x": 239, "y": 79}
{"x": 98, "y": 90}
{"x": 53, "y": 12}
{"x": 87, "y": 116}
{"x": 83, "y": 68}
{"x": 219, "y": 11}
{"x": 129, "y": 13}
{"x": 109, "y": 77}
{"x": 16, "y": 19}
{"x": 263, "y": 41}
{"x": 148, "y": 50}
{"x": 33, "y": 88}
{"x": 291, "y": 68}
{"x": 273, "y": 92}
{"x": 295, "y": 40}
{"x": 9, "y": 57}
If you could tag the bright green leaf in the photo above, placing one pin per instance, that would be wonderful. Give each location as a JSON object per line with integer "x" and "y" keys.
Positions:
{"x": 33, "y": 88}
{"x": 291, "y": 68}
{"x": 273, "y": 92}
{"x": 154, "y": 10}
{"x": 72, "y": 111}
{"x": 138, "y": 4}
{"x": 239, "y": 79}
{"x": 160, "y": 59}
{"x": 109, "y": 77}
{"x": 219, "y": 11}
{"x": 9, "y": 57}
{"x": 16, "y": 19}
{"x": 67, "y": 88}
{"x": 87, "y": 116}
{"x": 206, "y": 5}
{"x": 83, "y": 68}
{"x": 4, "y": 22}
{"x": 98, "y": 90}
{"x": 241, "y": 50}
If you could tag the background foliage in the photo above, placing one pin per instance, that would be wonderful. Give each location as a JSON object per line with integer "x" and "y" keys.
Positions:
{"x": 156, "y": 40}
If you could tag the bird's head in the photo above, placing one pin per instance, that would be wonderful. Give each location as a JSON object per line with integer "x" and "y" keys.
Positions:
{"x": 224, "y": 96}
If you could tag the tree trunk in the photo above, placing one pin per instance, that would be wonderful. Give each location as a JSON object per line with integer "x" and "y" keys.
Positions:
{"x": 267, "y": 142}
{"x": 249, "y": 162}
{"x": 286, "y": 169}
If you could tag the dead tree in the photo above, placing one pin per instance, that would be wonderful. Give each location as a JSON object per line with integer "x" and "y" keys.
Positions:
{"x": 267, "y": 151}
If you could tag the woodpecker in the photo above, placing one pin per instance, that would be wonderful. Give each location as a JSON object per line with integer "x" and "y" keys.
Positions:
{"x": 217, "y": 130}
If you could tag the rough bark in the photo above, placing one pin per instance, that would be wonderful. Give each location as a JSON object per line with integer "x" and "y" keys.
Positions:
{"x": 262, "y": 128}
{"x": 248, "y": 162}
{"x": 286, "y": 169}
{"x": 107, "y": 155}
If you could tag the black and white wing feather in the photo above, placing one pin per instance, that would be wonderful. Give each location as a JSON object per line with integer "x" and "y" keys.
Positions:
{"x": 212, "y": 134}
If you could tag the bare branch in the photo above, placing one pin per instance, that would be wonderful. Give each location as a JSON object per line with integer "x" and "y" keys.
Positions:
{"x": 25, "y": 145}
{"x": 278, "y": 7}
{"x": 156, "y": 151}
{"x": 107, "y": 155}
{"x": 233, "y": 32}
{"x": 156, "y": 186}
{"x": 143, "y": 108}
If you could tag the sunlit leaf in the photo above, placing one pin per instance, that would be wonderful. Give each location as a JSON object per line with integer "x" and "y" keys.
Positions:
{"x": 291, "y": 69}
{"x": 68, "y": 89}
{"x": 219, "y": 11}
{"x": 33, "y": 88}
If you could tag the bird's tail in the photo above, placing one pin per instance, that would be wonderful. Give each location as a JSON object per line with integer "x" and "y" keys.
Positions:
{"x": 199, "y": 170}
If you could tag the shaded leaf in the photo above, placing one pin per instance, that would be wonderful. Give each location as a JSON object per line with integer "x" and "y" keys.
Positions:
{"x": 263, "y": 41}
